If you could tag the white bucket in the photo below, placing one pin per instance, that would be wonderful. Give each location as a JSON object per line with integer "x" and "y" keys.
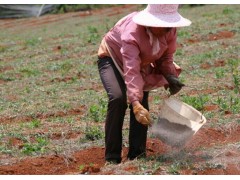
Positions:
{"x": 177, "y": 122}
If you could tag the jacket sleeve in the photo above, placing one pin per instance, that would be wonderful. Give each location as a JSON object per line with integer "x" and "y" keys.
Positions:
{"x": 165, "y": 63}
{"x": 131, "y": 66}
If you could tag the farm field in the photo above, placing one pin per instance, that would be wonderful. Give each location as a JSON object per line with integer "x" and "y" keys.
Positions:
{"x": 53, "y": 105}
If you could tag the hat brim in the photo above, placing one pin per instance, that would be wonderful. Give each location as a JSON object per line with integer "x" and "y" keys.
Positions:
{"x": 144, "y": 18}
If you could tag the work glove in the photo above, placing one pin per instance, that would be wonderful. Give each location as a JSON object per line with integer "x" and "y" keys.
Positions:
{"x": 142, "y": 115}
{"x": 174, "y": 84}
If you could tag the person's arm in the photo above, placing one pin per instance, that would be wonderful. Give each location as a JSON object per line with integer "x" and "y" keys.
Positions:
{"x": 167, "y": 67}
{"x": 131, "y": 67}
{"x": 133, "y": 78}
{"x": 165, "y": 63}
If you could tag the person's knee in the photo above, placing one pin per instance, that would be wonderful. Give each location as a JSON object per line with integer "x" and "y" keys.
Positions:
{"x": 119, "y": 100}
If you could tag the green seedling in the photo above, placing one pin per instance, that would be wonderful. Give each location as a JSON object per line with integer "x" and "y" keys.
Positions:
{"x": 34, "y": 124}
{"x": 230, "y": 103}
{"x": 234, "y": 67}
{"x": 29, "y": 72}
{"x": 5, "y": 77}
{"x": 34, "y": 148}
{"x": 220, "y": 73}
{"x": 227, "y": 11}
{"x": 174, "y": 169}
{"x": 196, "y": 102}
{"x": 93, "y": 35}
{"x": 93, "y": 133}
{"x": 184, "y": 34}
{"x": 98, "y": 112}
{"x": 81, "y": 167}
{"x": 33, "y": 41}
{"x": 2, "y": 49}
{"x": 5, "y": 150}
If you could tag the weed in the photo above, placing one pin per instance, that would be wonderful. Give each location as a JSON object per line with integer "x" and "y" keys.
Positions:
{"x": 67, "y": 120}
{"x": 33, "y": 41}
{"x": 214, "y": 166}
{"x": 63, "y": 67}
{"x": 179, "y": 52}
{"x": 34, "y": 124}
{"x": 98, "y": 112}
{"x": 227, "y": 11}
{"x": 222, "y": 103}
{"x": 81, "y": 167}
{"x": 5, "y": 150}
{"x": 2, "y": 49}
{"x": 174, "y": 169}
{"x": 66, "y": 67}
{"x": 29, "y": 72}
{"x": 164, "y": 158}
{"x": 93, "y": 133}
{"x": 6, "y": 78}
{"x": 234, "y": 104}
{"x": 183, "y": 34}
{"x": 93, "y": 35}
{"x": 34, "y": 148}
{"x": 230, "y": 103}
{"x": 196, "y": 102}
{"x": 234, "y": 67}
{"x": 148, "y": 166}
{"x": 220, "y": 73}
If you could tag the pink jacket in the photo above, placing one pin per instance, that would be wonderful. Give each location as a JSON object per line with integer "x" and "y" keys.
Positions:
{"x": 142, "y": 70}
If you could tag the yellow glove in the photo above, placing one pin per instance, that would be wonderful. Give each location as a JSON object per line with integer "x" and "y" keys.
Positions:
{"x": 142, "y": 115}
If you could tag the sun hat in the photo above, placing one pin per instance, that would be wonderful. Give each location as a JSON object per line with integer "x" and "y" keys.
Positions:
{"x": 161, "y": 15}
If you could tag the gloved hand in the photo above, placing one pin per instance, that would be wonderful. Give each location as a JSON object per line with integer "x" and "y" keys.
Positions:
{"x": 142, "y": 115}
{"x": 174, "y": 84}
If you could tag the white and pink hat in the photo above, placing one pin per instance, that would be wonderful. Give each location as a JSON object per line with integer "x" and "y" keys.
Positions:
{"x": 161, "y": 15}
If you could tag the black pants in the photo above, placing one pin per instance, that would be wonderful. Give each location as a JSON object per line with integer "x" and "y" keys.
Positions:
{"x": 117, "y": 105}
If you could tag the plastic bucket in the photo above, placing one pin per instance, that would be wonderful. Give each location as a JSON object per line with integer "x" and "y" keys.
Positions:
{"x": 177, "y": 122}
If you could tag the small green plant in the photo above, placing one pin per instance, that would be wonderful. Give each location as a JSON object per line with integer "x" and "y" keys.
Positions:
{"x": 174, "y": 169}
{"x": 34, "y": 148}
{"x": 66, "y": 67}
{"x": 5, "y": 77}
{"x": 184, "y": 34}
{"x": 230, "y": 103}
{"x": 81, "y": 167}
{"x": 5, "y": 150}
{"x": 93, "y": 34}
{"x": 29, "y": 72}
{"x": 33, "y": 41}
{"x": 2, "y": 49}
{"x": 98, "y": 112}
{"x": 197, "y": 102}
{"x": 227, "y": 11}
{"x": 179, "y": 52}
{"x": 34, "y": 124}
{"x": 234, "y": 67}
{"x": 219, "y": 73}
{"x": 222, "y": 103}
{"x": 93, "y": 133}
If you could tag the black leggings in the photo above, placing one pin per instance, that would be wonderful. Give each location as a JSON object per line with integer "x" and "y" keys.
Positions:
{"x": 117, "y": 105}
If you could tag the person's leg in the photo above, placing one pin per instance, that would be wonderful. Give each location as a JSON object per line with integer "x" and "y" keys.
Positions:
{"x": 117, "y": 105}
{"x": 138, "y": 133}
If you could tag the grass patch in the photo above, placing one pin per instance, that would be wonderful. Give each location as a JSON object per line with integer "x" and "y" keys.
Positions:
{"x": 93, "y": 133}
{"x": 35, "y": 148}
